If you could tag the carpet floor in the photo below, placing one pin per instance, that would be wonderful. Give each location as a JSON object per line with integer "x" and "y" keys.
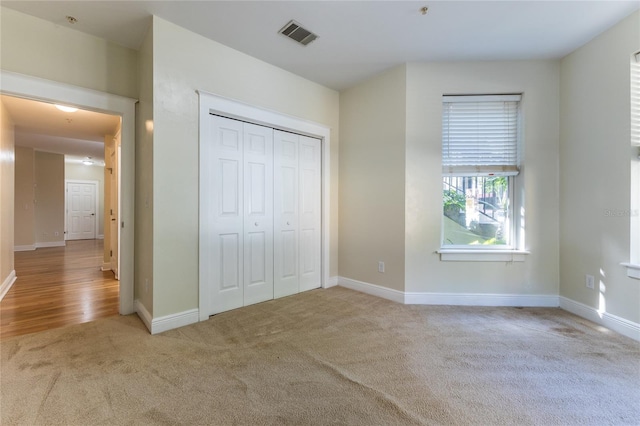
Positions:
{"x": 327, "y": 357}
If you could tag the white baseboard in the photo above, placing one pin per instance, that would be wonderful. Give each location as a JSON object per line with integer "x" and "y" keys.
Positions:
{"x": 30, "y": 247}
{"x": 455, "y": 299}
{"x": 105, "y": 267}
{"x": 100, "y": 237}
{"x": 615, "y": 323}
{"x": 7, "y": 283}
{"x": 331, "y": 282}
{"x": 372, "y": 289}
{"x": 167, "y": 322}
{"x": 51, "y": 244}
{"x": 144, "y": 315}
{"x": 481, "y": 299}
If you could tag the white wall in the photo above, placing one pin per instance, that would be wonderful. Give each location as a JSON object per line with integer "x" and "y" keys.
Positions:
{"x": 595, "y": 171}
{"x": 426, "y": 83}
{"x": 391, "y": 207}
{"x": 39, "y": 48}
{"x": 49, "y": 174}
{"x": 24, "y": 220}
{"x": 372, "y": 179}
{"x": 7, "y": 167}
{"x": 184, "y": 62}
{"x": 144, "y": 176}
{"x": 79, "y": 171}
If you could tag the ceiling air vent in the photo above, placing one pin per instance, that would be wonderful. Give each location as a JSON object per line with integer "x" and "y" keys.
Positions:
{"x": 294, "y": 31}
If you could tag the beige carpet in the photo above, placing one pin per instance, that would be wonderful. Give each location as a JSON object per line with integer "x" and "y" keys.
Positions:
{"x": 327, "y": 357}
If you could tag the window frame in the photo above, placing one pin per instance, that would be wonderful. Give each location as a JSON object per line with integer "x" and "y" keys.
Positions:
{"x": 512, "y": 252}
{"x": 633, "y": 266}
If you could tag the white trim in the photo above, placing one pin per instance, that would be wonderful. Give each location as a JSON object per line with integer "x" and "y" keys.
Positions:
{"x": 372, "y": 289}
{"x": 481, "y": 98}
{"x": 231, "y": 108}
{"x": 51, "y": 244}
{"x": 169, "y": 322}
{"x": 8, "y": 282}
{"x": 51, "y": 91}
{"x": 100, "y": 237}
{"x": 96, "y": 185}
{"x": 613, "y": 322}
{"x": 481, "y": 299}
{"x": 143, "y": 314}
{"x": 633, "y": 270}
{"x": 30, "y": 247}
{"x": 332, "y": 282}
{"x": 452, "y": 299}
{"x": 479, "y": 255}
{"x": 106, "y": 266}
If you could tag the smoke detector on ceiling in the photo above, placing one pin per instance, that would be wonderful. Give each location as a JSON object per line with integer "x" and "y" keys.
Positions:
{"x": 294, "y": 31}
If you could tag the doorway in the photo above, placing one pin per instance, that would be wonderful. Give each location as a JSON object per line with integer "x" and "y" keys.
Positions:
{"x": 53, "y": 92}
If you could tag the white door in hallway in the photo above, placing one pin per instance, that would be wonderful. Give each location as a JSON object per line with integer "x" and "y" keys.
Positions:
{"x": 114, "y": 206}
{"x": 81, "y": 210}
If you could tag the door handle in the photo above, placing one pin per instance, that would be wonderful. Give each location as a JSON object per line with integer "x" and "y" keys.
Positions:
{"x": 256, "y": 223}
{"x": 113, "y": 220}
{"x": 93, "y": 214}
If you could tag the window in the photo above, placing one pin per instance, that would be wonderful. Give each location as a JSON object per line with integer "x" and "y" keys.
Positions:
{"x": 633, "y": 268}
{"x": 480, "y": 164}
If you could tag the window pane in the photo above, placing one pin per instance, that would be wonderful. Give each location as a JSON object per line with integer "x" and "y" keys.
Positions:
{"x": 476, "y": 210}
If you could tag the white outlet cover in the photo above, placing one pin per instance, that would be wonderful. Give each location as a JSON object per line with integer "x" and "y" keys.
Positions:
{"x": 590, "y": 282}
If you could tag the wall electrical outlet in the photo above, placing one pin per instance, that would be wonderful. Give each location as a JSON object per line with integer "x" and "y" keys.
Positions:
{"x": 589, "y": 281}
{"x": 381, "y": 267}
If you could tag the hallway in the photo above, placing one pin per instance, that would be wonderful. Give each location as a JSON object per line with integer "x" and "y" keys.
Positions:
{"x": 58, "y": 286}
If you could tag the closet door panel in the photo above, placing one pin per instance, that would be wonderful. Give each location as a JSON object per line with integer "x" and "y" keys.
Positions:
{"x": 310, "y": 213}
{"x": 286, "y": 209}
{"x": 258, "y": 214}
{"x": 225, "y": 240}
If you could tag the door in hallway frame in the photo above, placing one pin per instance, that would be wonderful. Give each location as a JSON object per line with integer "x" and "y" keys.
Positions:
{"x": 114, "y": 207}
{"x": 81, "y": 209}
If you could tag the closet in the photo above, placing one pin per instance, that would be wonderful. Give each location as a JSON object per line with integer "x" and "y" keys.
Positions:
{"x": 260, "y": 218}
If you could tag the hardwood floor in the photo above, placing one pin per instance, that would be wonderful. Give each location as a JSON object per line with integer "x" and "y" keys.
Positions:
{"x": 58, "y": 286}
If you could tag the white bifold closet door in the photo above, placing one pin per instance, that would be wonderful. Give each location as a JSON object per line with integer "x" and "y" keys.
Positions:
{"x": 260, "y": 224}
{"x": 297, "y": 218}
{"x": 241, "y": 202}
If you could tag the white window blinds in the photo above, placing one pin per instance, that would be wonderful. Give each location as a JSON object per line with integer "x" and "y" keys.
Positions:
{"x": 480, "y": 135}
{"x": 635, "y": 100}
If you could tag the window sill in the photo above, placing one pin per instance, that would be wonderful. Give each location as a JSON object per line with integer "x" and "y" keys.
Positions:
{"x": 633, "y": 270}
{"x": 465, "y": 255}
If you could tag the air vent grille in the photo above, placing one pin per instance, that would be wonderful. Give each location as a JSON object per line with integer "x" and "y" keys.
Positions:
{"x": 294, "y": 31}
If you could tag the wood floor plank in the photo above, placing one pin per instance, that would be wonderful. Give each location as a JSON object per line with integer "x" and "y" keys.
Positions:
{"x": 58, "y": 286}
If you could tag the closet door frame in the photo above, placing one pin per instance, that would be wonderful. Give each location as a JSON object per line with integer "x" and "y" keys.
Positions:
{"x": 230, "y": 108}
